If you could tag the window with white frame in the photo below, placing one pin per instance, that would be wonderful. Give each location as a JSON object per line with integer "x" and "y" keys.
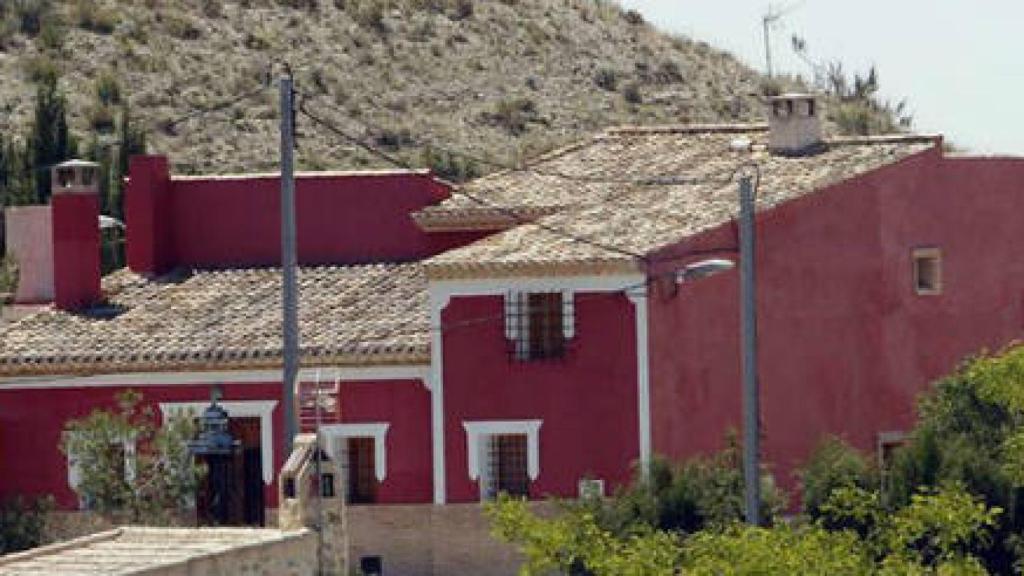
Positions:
{"x": 538, "y": 325}
{"x": 504, "y": 456}
{"x": 121, "y": 454}
{"x": 361, "y": 450}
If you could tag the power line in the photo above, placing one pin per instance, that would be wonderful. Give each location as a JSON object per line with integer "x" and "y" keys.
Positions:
{"x": 510, "y": 213}
{"x": 664, "y": 180}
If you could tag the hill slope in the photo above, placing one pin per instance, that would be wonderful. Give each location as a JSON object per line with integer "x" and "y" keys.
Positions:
{"x": 496, "y": 77}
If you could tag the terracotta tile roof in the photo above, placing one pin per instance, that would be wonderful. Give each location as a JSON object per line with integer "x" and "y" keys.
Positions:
{"x": 228, "y": 319}
{"x": 631, "y": 217}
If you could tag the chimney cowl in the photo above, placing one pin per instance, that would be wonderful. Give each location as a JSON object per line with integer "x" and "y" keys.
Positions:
{"x": 794, "y": 122}
{"x": 75, "y": 177}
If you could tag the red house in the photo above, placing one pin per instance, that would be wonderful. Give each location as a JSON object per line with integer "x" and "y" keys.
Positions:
{"x": 527, "y": 332}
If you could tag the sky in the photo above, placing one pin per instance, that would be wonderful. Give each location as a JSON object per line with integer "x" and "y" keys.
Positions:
{"x": 958, "y": 63}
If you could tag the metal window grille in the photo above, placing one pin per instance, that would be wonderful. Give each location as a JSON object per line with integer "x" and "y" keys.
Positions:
{"x": 506, "y": 466}
{"x": 362, "y": 481}
{"x": 539, "y": 325}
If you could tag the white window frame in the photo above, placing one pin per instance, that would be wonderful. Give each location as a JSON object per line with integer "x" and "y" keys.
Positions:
{"x": 478, "y": 432}
{"x": 262, "y": 409}
{"x": 339, "y": 433}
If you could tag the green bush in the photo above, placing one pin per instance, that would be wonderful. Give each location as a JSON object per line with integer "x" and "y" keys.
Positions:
{"x": 8, "y": 278}
{"x": 23, "y": 523}
{"x": 833, "y": 465}
{"x": 700, "y": 493}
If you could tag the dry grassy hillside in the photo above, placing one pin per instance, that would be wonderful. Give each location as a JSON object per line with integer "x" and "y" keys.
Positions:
{"x": 500, "y": 78}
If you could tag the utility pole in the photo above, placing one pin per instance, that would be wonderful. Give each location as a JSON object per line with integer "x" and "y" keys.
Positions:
{"x": 773, "y": 15}
{"x": 767, "y": 20}
{"x": 289, "y": 264}
{"x": 751, "y": 393}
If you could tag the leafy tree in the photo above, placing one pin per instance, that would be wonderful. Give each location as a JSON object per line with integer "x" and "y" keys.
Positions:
{"x": 933, "y": 535}
{"x": 969, "y": 433}
{"x": 130, "y": 466}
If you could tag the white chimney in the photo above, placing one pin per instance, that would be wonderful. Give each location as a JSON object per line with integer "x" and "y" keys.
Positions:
{"x": 794, "y": 122}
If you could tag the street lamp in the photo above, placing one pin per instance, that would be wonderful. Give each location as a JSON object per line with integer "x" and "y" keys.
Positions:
{"x": 703, "y": 269}
{"x": 748, "y": 348}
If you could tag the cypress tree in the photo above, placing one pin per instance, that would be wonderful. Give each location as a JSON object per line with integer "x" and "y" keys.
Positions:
{"x": 50, "y": 141}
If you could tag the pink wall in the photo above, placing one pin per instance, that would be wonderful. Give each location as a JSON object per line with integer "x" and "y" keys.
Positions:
{"x": 31, "y": 423}
{"x": 845, "y": 344}
{"x": 29, "y": 232}
{"x": 405, "y": 406}
{"x": 229, "y": 222}
{"x": 76, "y": 250}
{"x": 587, "y": 401}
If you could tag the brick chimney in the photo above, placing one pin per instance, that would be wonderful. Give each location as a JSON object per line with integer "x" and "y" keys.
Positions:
{"x": 75, "y": 206}
{"x": 794, "y": 122}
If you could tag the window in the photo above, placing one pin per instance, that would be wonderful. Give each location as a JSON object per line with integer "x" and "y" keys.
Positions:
{"x": 927, "y": 271}
{"x": 362, "y": 481}
{"x": 504, "y": 456}
{"x": 888, "y": 444}
{"x": 538, "y": 324}
{"x": 505, "y": 469}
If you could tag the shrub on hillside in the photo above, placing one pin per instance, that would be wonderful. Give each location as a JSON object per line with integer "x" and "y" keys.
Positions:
{"x": 91, "y": 16}
{"x": 607, "y": 79}
{"x": 515, "y": 114}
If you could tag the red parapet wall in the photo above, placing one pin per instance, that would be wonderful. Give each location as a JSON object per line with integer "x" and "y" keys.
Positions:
{"x": 224, "y": 222}
{"x": 76, "y": 250}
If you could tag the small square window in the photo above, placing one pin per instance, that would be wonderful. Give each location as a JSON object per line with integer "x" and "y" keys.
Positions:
{"x": 927, "y": 271}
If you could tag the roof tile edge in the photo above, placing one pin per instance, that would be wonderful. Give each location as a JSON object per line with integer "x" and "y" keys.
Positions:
{"x": 322, "y": 174}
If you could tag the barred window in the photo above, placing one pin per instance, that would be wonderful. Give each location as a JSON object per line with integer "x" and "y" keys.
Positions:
{"x": 539, "y": 324}
{"x": 506, "y": 466}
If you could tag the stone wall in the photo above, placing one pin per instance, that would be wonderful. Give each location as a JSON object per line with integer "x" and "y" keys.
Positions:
{"x": 140, "y": 551}
{"x": 428, "y": 540}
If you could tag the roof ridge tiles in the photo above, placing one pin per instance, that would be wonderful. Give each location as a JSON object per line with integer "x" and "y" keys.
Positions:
{"x": 631, "y": 129}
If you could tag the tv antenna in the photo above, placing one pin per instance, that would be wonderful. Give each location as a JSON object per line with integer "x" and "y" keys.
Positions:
{"x": 769, "y": 21}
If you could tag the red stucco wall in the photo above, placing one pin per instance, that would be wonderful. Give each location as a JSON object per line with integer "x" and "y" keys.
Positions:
{"x": 845, "y": 344}
{"x": 234, "y": 222}
{"x": 587, "y": 401}
{"x": 32, "y": 420}
{"x": 405, "y": 406}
